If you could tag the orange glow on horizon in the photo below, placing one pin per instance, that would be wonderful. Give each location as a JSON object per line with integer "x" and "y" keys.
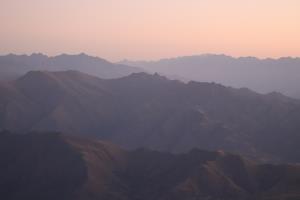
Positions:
{"x": 144, "y": 29}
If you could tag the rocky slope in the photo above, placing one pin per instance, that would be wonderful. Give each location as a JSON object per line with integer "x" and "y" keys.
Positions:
{"x": 144, "y": 110}
{"x": 53, "y": 166}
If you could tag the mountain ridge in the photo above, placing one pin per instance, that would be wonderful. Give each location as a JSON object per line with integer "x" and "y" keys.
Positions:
{"x": 62, "y": 167}
{"x": 143, "y": 110}
{"x": 261, "y": 75}
{"x": 13, "y": 66}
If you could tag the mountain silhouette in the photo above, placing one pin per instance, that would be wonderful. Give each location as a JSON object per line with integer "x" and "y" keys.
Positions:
{"x": 261, "y": 75}
{"x": 143, "y": 110}
{"x": 13, "y": 66}
{"x": 53, "y": 166}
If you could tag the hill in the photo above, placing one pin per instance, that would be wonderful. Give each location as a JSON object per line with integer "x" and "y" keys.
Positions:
{"x": 143, "y": 110}
{"x": 13, "y": 66}
{"x": 53, "y": 166}
{"x": 261, "y": 75}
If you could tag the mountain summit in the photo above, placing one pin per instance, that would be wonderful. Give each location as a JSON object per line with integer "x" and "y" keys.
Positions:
{"x": 261, "y": 75}
{"x": 144, "y": 110}
{"x": 12, "y": 66}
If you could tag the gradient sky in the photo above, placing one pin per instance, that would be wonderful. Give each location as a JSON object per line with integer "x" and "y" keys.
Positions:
{"x": 151, "y": 29}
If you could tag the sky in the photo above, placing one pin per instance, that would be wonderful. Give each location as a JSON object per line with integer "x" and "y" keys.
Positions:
{"x": 151, "y": 29}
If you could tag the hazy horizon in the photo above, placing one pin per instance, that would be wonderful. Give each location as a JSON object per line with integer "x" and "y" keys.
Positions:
{"x": 148, "y": 60}
{"x": 150, "y": 30}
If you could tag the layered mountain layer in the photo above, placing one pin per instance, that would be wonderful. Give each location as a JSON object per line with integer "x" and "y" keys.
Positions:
{"x": 52, "y": 166}
{"x": 143, "y": 110}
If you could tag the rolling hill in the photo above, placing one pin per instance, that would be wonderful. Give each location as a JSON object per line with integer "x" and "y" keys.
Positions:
{"x": 13, "y": 66}
{"x": 261, "y": 75}
{"x": 143, "y": 110}
{"x": 53, "y": 166}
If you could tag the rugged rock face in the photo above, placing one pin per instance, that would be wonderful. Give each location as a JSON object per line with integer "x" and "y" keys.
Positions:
{"x": 144, "y": 110}
{"x": 53, "y": 166}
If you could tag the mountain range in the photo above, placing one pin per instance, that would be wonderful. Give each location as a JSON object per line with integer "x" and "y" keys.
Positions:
{"x": 144, "y": 110}
{"x": 54, "y": 166}
{"x": 261, "y": 75}
{"x": 13, "y": 66}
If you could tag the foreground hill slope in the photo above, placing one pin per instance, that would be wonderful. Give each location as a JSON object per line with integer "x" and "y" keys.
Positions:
{"x": 144, "y": 110}
{"x": 13, "y": 66}
{"x": 53, "y": 166}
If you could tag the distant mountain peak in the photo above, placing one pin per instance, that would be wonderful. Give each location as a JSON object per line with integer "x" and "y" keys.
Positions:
{"x": 13, "y": 66}
{"x": 38, "y": 55}
{"x": 31, "y": 74}
{"x": 262, "y": 75}
{"x": 36, "y": 78}
{"x": 147, "y": 76}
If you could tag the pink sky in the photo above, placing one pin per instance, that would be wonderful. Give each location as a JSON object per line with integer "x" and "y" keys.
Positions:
{"x": 151, "y": 29}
